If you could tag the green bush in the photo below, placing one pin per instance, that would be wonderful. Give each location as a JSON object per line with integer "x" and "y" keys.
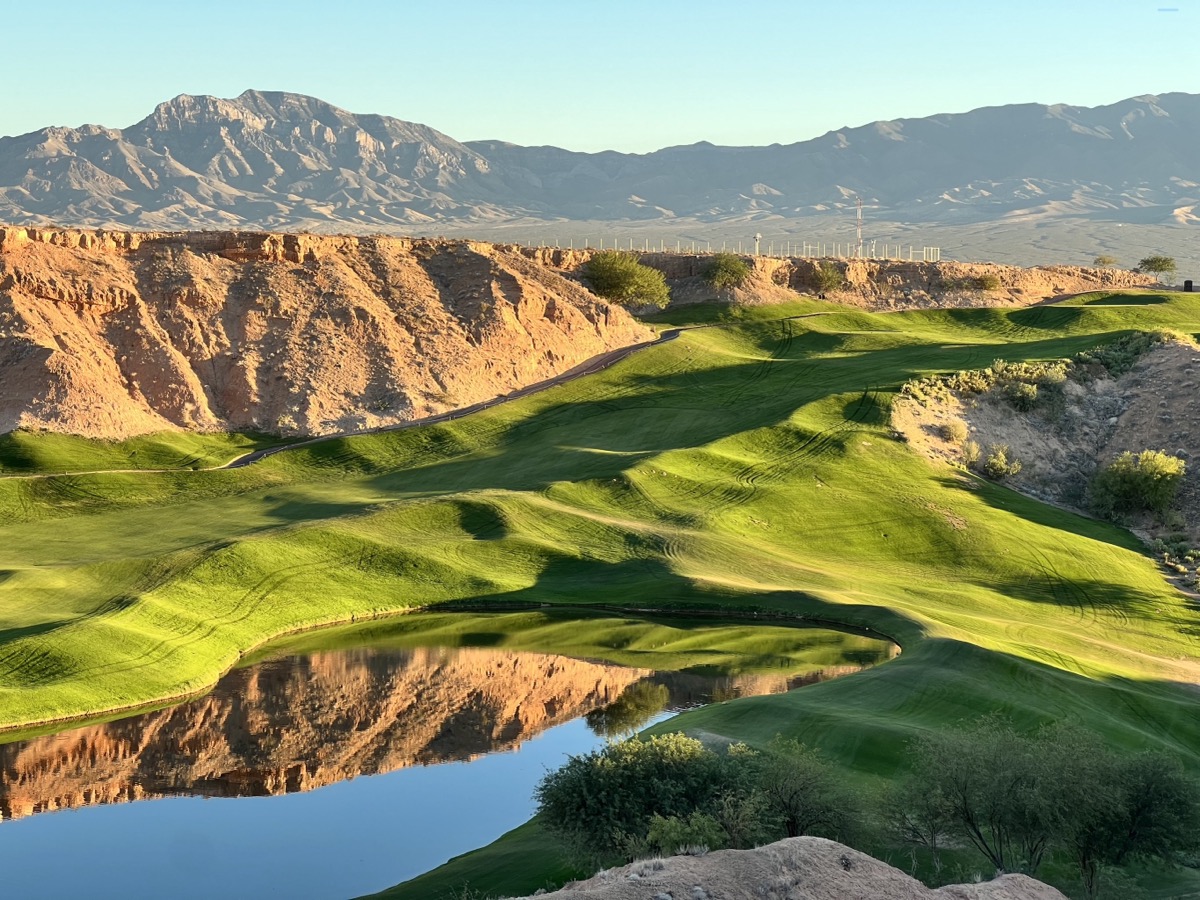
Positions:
{"x": 987, "y": 282}
{"x": 971, "y": 454}
{"x": 619, "y": 276}
{"x": 1132, "y": 483}
{"x": 827, "y": 277}
{"x": 670, "y": 791}
{"x": 998, "y": 464}
{"x": 600, "y": 802}
{"x": 726, "y": 270}
{"x": 672, "y": 835}
{"x": 1104, "y": 261}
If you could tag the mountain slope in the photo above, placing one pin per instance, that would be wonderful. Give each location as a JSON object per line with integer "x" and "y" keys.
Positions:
{"x": 276, "y": 160}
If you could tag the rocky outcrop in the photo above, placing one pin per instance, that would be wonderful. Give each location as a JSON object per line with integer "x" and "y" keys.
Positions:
{"x": 112, "y": 334}
{"x": 803, "y": 868}
{"x": 873, "y": 284}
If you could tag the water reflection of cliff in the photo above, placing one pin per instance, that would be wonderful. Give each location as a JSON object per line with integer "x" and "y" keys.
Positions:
{"x": 301, "y": 723}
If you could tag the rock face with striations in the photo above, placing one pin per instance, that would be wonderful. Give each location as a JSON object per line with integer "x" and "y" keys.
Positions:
{"x": 112, "y": 334}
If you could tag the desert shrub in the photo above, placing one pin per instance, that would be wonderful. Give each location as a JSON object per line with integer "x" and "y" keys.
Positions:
{"x": 1022, "y": 395}
{"x": 1104, "y": 261}
{"x": 827, "y": 277}
{"x": 999, "y": 465}
{"x": 726, "y": 270}
{"x": 954, "y": 431}
{"x": 1132, "y": 483}
{"x": 619, "y": 276}
{"x": 986, "y": 282}
{"x": 971, "y": 453}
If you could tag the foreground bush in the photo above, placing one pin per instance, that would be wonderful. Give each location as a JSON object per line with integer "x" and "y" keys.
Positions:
{"x": 670, "y": 792}
{"x": 1145, "y": 482}
{"x": 619, "y": 276}
{"x": 726, "y": 270}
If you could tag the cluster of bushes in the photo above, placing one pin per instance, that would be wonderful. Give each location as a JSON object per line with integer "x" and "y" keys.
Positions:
{"x": 985, "y": 282}
{"x": 670, "y": 794}
{"x": 1014, "y": 800}
{"x": 1024, "y": 384}
{"x": 619, "y": 276}
{"x": 1029, "y": 384}
{"x": 1135, "y": 483}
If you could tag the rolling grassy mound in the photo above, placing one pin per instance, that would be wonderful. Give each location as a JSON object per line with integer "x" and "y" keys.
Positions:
{"x": 747, "y": 468}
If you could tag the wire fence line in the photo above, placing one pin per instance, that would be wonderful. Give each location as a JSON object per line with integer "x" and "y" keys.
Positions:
{"x": 779, "y": 249}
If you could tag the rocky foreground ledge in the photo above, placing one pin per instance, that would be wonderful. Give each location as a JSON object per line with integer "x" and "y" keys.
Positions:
{"x": 803, "y": 868}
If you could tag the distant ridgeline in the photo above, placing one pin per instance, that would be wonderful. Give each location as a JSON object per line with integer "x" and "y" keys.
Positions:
{"x": 281, "y": 160}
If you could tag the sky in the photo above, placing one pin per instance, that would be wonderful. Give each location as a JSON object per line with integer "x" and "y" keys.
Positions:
{"x": 629, "y": 75}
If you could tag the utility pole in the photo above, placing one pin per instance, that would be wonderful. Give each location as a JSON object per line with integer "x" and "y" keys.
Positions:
{"x": 757, "y": 239}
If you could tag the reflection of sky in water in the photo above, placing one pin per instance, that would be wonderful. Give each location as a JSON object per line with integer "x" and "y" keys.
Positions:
{"x": 343, "y": 840}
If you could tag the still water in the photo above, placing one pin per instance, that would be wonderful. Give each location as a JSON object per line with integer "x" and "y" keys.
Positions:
{"x": 329, "y": 775}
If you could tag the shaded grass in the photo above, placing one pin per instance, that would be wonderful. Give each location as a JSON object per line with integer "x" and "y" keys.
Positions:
{"x": 748, "y": 468}
{"x": 26, "y": 452}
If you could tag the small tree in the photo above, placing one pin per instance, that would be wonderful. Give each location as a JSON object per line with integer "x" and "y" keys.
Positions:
{"x": 1157, "y": 265}
{"x": 827, "y": 277}
{"x": 1137, "y": 483}
{"x": 619, "y": 276}
{"x": 726, "y": 270}
{"x": 1104, "y": 261}
{"x": 802, "y": 792}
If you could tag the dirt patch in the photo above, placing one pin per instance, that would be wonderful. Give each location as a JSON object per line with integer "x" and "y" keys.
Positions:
{"x": 804, "y": 868}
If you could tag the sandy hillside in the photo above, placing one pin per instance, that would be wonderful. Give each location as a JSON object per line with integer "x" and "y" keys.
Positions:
{"x": 112, "y": 334}
{"x": 804, "y": 868}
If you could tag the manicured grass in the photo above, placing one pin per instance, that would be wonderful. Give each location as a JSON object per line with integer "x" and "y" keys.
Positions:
{"x": 748, "y": 467}
{"x": 27, "y": 452}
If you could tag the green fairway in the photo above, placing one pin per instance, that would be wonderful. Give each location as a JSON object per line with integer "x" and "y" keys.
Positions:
{"x": 31, "y": 453}
{"x": 748, "y": 467}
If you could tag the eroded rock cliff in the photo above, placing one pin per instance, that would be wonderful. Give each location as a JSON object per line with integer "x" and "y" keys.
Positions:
{"x": 113, "y": 334}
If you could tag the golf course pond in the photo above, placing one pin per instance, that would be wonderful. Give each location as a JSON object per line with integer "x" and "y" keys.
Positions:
{"x": 340, "y": 771}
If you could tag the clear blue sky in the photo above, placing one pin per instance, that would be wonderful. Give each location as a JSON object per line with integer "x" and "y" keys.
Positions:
{"x": 631, "y": 75}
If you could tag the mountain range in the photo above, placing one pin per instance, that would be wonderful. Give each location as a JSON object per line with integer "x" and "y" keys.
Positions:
{"x": 279, "y": 160}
